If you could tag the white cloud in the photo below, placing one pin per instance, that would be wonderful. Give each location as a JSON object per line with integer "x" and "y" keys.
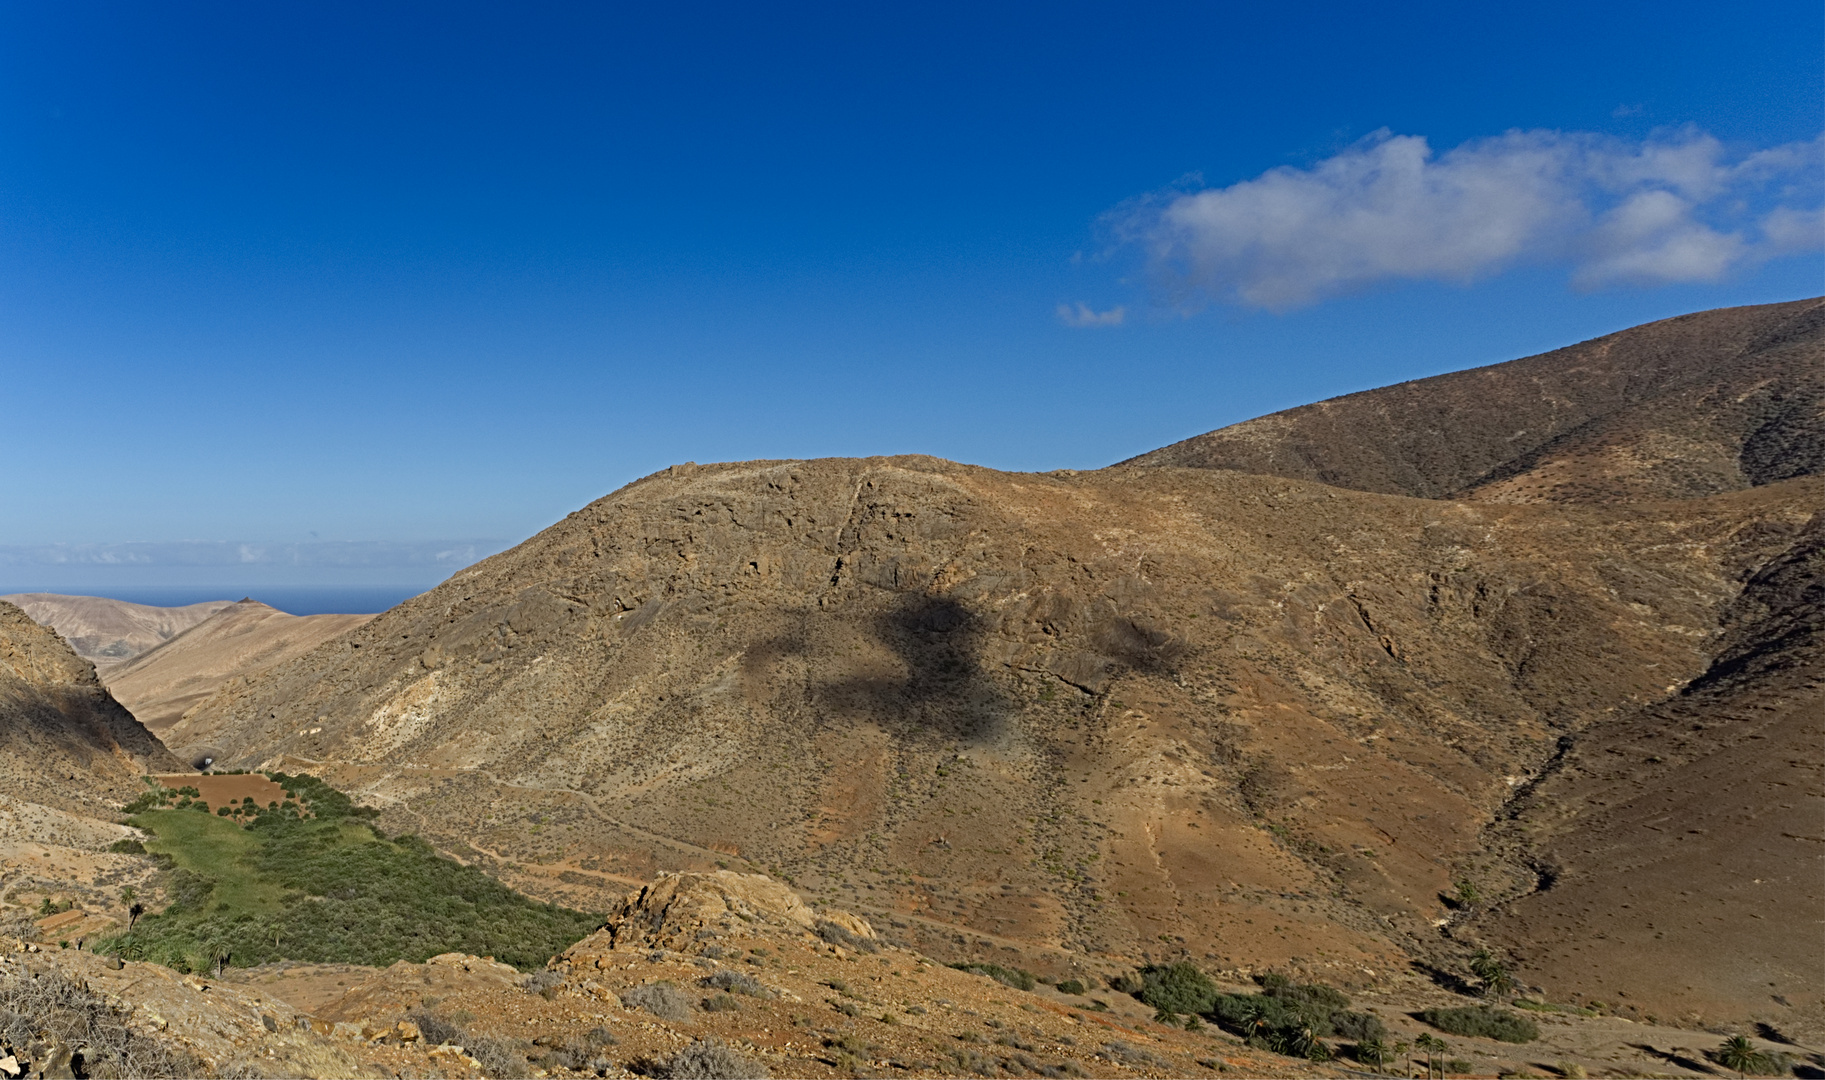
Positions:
{"x": 1673, "y": 208}
{"x": 1787, "y": 230}
{"x": 1085, "y": 316}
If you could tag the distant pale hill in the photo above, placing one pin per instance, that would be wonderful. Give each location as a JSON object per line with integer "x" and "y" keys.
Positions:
{"x": 236, "y": 641}
{"x": 64, "y": 741}
{"x": 105, "y": 631}
{"x": 1691, "y": 406}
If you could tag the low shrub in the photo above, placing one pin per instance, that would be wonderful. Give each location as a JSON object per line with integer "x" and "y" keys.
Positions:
{"x": 1482, "y": 1022}
{"x": 1360, "y": 1026}
{"x": 736, "y": 982}
{"x": 721, "y": 1003}
{"x": 711, "y": 1059}
{"x": 1072, "y": 986}
{"x": 662, "y": 999}
{"x": 435, "y": 1030}
{"x": 837, "y": 934}
{"x": 127, "y": 846}
{"x": 1017, "y": 978}
{"x": 1133, "y": 1055}
{"x": 499, "y": 1059}
{"x": 1177, "y": 988}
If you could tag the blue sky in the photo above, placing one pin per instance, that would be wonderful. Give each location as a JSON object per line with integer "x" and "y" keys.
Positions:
{"x": 308, "y": 273}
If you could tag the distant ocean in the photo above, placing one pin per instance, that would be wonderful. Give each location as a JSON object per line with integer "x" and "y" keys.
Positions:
{"x": 297, "y": 600}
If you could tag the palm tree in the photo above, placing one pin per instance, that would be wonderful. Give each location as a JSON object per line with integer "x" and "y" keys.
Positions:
{"x": 1740, "y": 1054}
{"x": 1493, "y": 974}
{"x": 1433, "y": 1047}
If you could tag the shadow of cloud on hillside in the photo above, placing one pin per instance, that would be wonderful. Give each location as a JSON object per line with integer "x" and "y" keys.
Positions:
{"x": 944, "y": 691}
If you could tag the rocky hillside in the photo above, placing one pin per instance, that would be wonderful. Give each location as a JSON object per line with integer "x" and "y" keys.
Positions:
{"x": 1714, "y": 401}
{"x": 105, "y": 631}
{"x": 1139, "y": 712}
{"x": 1692, "y": 824}
{"x": 235, "y": 642}
{"x": 64, "y": 741}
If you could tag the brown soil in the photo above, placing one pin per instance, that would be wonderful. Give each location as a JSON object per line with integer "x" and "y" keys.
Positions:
{"x": 219, "y": 790}
{"x": 866, "y": 1008}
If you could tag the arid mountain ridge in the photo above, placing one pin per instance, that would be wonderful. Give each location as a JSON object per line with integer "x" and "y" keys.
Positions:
{"x": 105, "y": 631}
{"x": 238, "y": 641}
{"x": 1186, "y": 706}
{"x": 160, "y": 661}
{"x": 1690, "y": 406}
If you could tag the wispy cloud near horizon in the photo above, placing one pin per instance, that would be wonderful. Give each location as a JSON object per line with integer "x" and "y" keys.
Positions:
{"x": 1677, "y": 207}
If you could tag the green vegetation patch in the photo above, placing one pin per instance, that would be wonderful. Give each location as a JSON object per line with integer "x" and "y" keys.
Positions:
{"x": 1177, "y": 988}
{"x": 1017, "y": 978}
{"x": 310, "y": 879}
{"x": 1482, "y": 1022}
{"x": 1285, "y": 1017}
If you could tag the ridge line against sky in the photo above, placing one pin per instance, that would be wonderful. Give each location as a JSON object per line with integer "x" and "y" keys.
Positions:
{"x": 398, "y": 272}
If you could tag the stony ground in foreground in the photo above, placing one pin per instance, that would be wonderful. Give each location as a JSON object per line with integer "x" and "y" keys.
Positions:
{"x": 803, "y": 993}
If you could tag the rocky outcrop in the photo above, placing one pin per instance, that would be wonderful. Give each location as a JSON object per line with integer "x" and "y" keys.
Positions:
{"x": 682, "y": 908}
{"x": 64, "y": 741}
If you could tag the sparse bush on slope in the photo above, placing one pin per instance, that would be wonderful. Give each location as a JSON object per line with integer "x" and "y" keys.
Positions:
{"x": 662, "y": 999}
{"x": 1286, "y": 1017}
{"x": 711, "y": 1059}
{"x": 1483, "y": 1022}
{"x": 1018, "y": 978}
{"x": 1177, "y": 988}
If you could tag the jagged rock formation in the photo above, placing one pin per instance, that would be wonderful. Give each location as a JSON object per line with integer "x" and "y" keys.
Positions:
{"x": 236, "y": 642}
{"x": 107, "y": 632}
{"x": 1709, "y": 402}
{"x": 64, "y": 741}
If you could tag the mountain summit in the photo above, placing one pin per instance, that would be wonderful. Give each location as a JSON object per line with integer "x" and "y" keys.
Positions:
{"x": 1686, "y": 407}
